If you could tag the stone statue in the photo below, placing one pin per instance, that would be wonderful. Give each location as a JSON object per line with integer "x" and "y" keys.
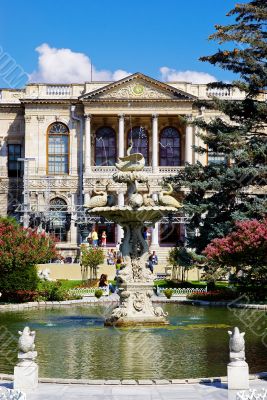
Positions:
{"x": 237, "y": 369}
{"x": 132, "y": 162}
{"x": 135, "y": 198}
{"x": 237, "y": 345}
{"x": 100, "y": 200}
{"x": 26, "y": 371}
{"x": 26, "y": 340}
{"x": 165, "y": 198}
{"x": 44, "y": 274}
{"x": 11, "y": 394}
{"x": 148, "y": 201}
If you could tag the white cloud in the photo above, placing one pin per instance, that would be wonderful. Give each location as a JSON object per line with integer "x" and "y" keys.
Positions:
{"x": 67, "y": 66}
{"x": 172, "y": 75}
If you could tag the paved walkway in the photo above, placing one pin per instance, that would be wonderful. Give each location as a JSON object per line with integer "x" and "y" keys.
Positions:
{"x": 51, "y": 391}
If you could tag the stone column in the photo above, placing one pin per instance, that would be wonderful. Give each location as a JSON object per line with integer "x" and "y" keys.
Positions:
{"x": 121, "y": 136}
{"x": 189, "y": 142}
{"x": 155, "y": 229}
{"x": 119, "y": 228}
{"x": 87, "y": 146}
{"x": 155, "y": 141}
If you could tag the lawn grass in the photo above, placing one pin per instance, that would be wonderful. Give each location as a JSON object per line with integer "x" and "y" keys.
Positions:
{"x": 67, "y": 284}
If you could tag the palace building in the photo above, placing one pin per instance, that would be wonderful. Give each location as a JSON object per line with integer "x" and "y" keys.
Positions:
{"x": 59, "y": 143}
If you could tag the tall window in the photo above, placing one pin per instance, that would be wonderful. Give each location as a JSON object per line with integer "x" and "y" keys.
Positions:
{"x": 139, "y": 137}
{"x": 58, "y": 149}
{"x": 14, "y": 166}
{"x": 170, "y": 147}
{"x": 59, "y": 219}
{"x": 105, "y": 146}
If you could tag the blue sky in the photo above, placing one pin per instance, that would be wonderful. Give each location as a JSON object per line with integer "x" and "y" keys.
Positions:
{"x": 119, "y": 37}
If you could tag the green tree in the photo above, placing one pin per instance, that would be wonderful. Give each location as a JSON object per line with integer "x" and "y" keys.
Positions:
{"x": 20, "y": 250}
{"x": 184, "y": 259}
{"x": 91, "y": 257}
{"x": 219, "y": 194}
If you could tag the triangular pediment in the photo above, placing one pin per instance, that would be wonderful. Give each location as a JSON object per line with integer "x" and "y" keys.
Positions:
{"x": 137, "y": 87}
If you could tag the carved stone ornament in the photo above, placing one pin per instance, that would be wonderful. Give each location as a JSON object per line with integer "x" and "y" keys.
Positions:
{"x": 237, "y": 345}
{"x": 139, "y": 301}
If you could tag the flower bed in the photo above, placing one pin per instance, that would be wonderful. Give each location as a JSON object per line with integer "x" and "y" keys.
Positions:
{"x": 215, "y": 295}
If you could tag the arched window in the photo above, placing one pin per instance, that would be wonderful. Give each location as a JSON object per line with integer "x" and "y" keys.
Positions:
{"x": 170, "y": 147}
{"x": 105, "y": 146}
{"x": 58, "y": 149}
{"x": 139, "y": 137}
{"x": 59, "y": 222}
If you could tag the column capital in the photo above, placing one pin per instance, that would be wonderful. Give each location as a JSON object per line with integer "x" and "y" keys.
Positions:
{"x": 189, "y": 118}
{"x": 121, "y": 115}
{"x": 87, "y": 116}
{"x": 155, "y": 115}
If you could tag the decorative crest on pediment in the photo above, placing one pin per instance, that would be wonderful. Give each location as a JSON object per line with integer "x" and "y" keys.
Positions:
{"x": 137, "y": 87}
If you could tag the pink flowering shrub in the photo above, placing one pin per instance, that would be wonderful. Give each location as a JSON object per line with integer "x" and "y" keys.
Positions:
{"x": 249, "y": 240}
{"x": 20, "y": 250}
{"x": 244, "y": 249}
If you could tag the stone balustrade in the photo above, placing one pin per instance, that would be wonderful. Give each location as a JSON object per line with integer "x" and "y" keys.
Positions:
{"x": 59, "y": 90}
{"x": 88, "y": 292}
{"x": 220, "y": 92}
{"x": 171, "y": 170}
{"x": 181, "y": 291}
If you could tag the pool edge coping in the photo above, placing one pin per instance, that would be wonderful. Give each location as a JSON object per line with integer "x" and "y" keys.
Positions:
{"x": 93, "y": 301}
{"x": 133, "y": 382}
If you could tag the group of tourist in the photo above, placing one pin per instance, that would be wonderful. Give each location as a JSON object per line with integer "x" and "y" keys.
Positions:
{"x": 94, "y": 240}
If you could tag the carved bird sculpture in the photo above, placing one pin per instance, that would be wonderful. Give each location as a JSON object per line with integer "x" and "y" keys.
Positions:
{"x": 100, "y": 200}
{"x": 148, "y": 201}
{"x": 165, "y": 198}
{"x": 131, "y": 162}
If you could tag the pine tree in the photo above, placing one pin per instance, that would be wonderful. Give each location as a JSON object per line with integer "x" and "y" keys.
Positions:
{"x": 220, "y": 194}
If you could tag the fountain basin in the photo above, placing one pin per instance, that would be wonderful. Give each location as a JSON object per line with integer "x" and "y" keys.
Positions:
{"x": 136, "y": 308}
{"x": 124, "y": 214}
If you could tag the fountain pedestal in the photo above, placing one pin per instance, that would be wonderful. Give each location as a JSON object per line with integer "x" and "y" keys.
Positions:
{"x": 135, "y": 279}
{"x": 136, "y": 307}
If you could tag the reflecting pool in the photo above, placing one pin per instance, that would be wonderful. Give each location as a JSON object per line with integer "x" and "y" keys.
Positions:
{"x": 73, "y": 343}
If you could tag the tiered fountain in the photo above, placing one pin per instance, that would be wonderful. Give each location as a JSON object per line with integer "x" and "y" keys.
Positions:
{"x": 135, "y": 279}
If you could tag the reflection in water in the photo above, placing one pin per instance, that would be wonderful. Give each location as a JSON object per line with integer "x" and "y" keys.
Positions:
{"x": 72, "y": 343}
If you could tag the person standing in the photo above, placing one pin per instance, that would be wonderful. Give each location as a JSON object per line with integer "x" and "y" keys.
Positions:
{"x": 150, "y": 264}
{"x": 104, "y": 239}
{"x": 154, "y": 258}
{"x": 94, "y": 238}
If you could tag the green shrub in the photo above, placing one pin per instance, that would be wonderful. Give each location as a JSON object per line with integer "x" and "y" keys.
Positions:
{"x": 168, "y": 293}
{"x": 98, "y": 293}
{"x": 52, "y": 291}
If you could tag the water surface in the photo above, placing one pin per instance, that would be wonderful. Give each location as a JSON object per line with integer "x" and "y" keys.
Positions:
{"x": 73, "y": 343}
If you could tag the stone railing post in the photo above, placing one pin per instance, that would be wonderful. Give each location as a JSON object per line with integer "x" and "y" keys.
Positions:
{"x": 237, "y": 369}
{"x": 26, "y": 371}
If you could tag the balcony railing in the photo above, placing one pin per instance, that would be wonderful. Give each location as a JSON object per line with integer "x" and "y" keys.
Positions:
{"x": 219, "y": 92}
{"x": 112, "y": 169}
{"x": 58, "y": 90}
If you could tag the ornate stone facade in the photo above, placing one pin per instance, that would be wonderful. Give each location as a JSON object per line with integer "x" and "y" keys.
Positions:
{"x": 83, "y": 160}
